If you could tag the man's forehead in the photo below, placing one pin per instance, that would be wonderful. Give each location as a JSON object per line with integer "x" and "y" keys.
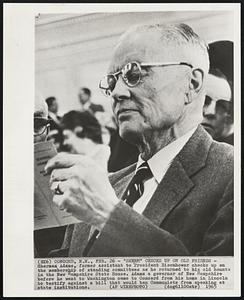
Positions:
{"x": 121, "y": 59}
{"x": 126, "y": 53}
{"x": 140, "y": 47}
{"x": 218, "y": 88}
{"x": 135, "y": 46}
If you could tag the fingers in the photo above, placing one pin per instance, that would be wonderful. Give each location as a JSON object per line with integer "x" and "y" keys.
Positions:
{"x": 62, "y": 160}
{"x": 63, "y": 202}
{"x": 63, "y": 186}
{"x": 61, "y": 174}
{"x": 68, "y": 199}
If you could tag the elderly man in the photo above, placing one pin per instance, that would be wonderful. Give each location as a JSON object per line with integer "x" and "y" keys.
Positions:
{"x": 178, "y": 198}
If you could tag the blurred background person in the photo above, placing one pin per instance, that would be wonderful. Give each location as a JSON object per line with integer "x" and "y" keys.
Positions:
{"x": 218, "y": 109}
{"x": 47, "y": 239}
{"x": 82, "y": 134}
{"x": 41, "y": 121}
{"x": 52, "y": 104}
{"x": 55, "y": 134}
{"x": 84, "y": 96}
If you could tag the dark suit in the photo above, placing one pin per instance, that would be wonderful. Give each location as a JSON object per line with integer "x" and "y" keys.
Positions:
{"x": 93, "y": 108}
{"x": 190, "y": 213}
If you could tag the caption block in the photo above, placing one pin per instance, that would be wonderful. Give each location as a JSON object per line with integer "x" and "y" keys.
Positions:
{"x": 134, "y": 273}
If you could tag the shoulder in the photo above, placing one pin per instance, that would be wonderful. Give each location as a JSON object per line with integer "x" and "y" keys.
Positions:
{"x": 221, "y": 156}
{"x": 217, "y": 173}
{"x": 96, "y": 107}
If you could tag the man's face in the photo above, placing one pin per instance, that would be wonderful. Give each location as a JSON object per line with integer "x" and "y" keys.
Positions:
{"x": 216, "y": 108}
{"x": 157, "y": 102}
{"x": 73, "y": 143}
{"x": 83, "y": 97}
{"x": 54, "y": 107}
{"x": 40, "y": 120}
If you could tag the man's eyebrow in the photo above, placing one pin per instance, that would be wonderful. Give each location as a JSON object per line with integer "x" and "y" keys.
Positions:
{"x": 115, "y": 70}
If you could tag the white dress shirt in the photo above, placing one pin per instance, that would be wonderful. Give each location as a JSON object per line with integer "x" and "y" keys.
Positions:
{"x": 159, "y": 164}
{"x": 54, "y": 117}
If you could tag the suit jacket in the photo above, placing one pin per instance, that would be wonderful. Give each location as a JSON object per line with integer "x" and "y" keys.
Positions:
{"x": 190, "y": 213}
{"x": 95, "y": 108}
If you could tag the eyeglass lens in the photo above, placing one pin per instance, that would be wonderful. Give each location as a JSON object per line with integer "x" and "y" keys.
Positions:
{"x": 131, "y": 74}
{"x": 40, "y": 125}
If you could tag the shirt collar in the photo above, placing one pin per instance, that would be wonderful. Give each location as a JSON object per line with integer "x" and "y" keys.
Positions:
{"x": 160, "y": 161}
{"x": 86, "y": 106}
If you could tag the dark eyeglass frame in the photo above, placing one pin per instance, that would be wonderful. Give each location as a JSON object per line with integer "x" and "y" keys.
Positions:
{"x": 107, "y": 91}
{"x": 45, "y": 126}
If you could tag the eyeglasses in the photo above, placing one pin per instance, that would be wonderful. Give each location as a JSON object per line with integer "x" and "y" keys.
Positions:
{"x": 40, "y": 125}
{"x": 131, "y": 74}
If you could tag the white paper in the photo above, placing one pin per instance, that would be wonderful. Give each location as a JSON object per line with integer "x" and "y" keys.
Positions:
{"x": 46, "y": 213}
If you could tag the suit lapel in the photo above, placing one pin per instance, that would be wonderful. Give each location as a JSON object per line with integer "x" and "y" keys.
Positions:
{"x": 177, "y": 183}
{"x": 79, "y": 239}
{"x": 171, "y": 190}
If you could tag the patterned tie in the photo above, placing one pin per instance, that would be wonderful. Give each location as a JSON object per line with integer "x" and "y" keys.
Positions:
{"x": 135, "y": 188}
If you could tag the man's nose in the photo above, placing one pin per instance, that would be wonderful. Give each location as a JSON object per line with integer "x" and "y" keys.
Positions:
{"x": 209, "y": 109}
{"x": 121, "y": 91}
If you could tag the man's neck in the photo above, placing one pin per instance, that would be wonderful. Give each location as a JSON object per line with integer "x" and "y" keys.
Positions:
{"x": 154, "y": 142}
{"x": 86, "y": 105}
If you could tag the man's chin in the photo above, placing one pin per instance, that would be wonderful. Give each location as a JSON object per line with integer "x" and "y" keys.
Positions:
{"x": 129, "y": 135}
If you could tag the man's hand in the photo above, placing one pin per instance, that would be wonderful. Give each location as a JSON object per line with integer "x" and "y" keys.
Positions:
{"x": 87, "y": 192}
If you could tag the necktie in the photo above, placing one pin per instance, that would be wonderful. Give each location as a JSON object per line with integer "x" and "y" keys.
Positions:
{"x": 135, "y": 188}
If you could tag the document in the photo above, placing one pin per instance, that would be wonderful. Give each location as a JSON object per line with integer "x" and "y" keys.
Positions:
{"x": 46, "y": 213}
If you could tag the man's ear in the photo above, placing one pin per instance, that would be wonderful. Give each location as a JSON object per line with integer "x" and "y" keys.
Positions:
{"x": 195, "y": 84}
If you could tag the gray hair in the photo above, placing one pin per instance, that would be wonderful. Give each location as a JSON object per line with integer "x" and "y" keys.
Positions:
{"x": 40, "y": 106}
{"x": 181, "y": 37}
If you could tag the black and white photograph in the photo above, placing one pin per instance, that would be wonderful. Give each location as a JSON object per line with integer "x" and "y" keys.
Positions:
{"x": 136, "y": 119}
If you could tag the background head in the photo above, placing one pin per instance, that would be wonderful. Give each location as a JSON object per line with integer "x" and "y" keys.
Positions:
{"x": 81, "y": 131}
{"x": 218, "y": 107}
{"x": 168, "y": 95}
{"x": 52, "y": 104}
{"x": 40, "y": 119}
{"x": 84, "y": 95}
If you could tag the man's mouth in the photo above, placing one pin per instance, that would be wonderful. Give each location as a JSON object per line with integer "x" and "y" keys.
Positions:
{"x": 125, "y": 111}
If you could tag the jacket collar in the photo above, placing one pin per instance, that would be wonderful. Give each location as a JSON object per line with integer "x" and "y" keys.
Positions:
{"x": 177, "y": 182}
